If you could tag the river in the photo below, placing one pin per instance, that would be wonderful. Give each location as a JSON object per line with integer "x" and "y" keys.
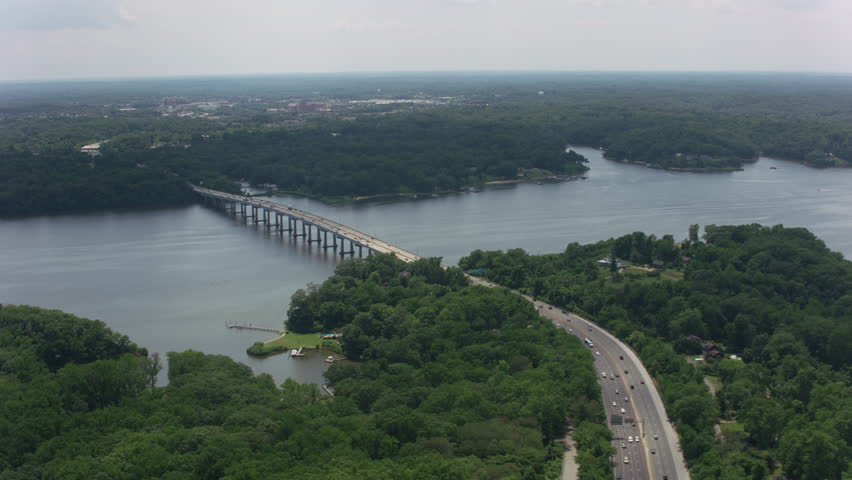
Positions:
{"x": 170, "y": 279}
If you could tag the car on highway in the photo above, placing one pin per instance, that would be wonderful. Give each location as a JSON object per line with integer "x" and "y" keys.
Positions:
{"x": 656, "y": 436}
{"x": 597, "y": 353}
{"x": 621, "y": 357}
{"x": 613, "y": 404}
{"x": 625, "y": 372}
{"x": 642, "y": 382}
{"x": 626, "y": 399}
{"x": 623, "y": 411}
{"x": 626, "y": 460}
{"x": 549, "y": 307}
{"x": 623, "y": 445}
{"x": 630, "y": 439}
{"x": 616, "y": 391}
{"x": 632, "y": 387}
{"x": 653, "y": 451}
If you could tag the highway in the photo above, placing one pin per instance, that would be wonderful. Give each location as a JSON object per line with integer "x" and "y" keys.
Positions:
{"x": 628, "y": 386}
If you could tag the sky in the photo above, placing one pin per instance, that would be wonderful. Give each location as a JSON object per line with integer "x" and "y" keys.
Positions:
{"x": 59, "y": 39}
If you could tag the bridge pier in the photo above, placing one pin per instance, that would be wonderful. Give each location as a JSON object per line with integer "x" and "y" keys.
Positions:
{"x": 325, "y": 244}
{"x": 318, "y": 239}
{"x": 360, "y": 253}
{"x": 350, "y": 252}
{"x": 243, "y": 209}
{"x": 303, "y": 234}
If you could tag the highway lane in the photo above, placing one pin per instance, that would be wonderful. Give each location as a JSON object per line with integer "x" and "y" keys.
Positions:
{"x": 627, "y": 438}
{"x": 643, "y": 405}
{"x": 668, "y": 460}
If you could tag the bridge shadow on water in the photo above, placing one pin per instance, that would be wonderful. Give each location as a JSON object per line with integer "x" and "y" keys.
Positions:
{"x": 293, "y": 244}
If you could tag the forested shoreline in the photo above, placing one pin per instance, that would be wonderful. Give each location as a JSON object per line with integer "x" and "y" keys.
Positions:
{"x": 333, "y": 146}
{"x": 775, "y": 297}
{"x": 453, "y": 381}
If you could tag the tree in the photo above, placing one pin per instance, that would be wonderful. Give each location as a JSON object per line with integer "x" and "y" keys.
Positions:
{"x": 693, "y": 233}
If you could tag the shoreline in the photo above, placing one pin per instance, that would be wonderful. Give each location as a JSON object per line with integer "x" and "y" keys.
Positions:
{"x": 419, "y": 196}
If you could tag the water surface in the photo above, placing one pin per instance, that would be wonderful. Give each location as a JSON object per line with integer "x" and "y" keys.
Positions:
{"x": 170, "y": 279}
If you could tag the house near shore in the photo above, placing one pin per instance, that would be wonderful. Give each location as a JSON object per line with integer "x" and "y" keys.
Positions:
{"x": 92, "y": 149}
{"x": 619, "y": 263}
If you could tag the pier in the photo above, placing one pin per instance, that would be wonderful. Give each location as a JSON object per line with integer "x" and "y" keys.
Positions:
{"x": 251, "y": 327}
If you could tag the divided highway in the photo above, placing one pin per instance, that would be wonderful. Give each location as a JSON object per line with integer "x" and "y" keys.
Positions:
{"x": 645, "y": 438}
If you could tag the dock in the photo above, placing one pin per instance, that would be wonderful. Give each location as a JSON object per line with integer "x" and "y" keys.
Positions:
{"x": 242, "y": 326}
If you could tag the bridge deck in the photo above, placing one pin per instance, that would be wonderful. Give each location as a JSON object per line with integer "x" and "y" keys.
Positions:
{"x": 359, "y": 238}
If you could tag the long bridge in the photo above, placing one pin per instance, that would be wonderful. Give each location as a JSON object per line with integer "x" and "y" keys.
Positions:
{"x": 299, "y": 223}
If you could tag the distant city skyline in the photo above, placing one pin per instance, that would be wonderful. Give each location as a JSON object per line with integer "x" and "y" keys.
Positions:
{"x": 75, "y": 39}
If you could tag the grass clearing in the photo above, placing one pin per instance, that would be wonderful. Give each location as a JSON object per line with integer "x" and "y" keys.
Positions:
{"x": 295, "y": 340}
{"x": 672, "y": 274}
{"x": 288, "y": 341}
{"x": 729, "y": 428}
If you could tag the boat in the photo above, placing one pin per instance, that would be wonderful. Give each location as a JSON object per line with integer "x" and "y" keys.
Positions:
{"x": 329, "y": 359}
{"x": 297, "y": 353}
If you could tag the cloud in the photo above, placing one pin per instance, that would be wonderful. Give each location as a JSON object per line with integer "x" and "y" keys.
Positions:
{"x": 361, "y": 24}
{"x": 800, "y": 4}
{"x": 27, "y": 15}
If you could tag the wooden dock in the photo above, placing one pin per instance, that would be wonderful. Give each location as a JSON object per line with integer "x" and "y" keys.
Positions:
{"x": 251, "y": 327}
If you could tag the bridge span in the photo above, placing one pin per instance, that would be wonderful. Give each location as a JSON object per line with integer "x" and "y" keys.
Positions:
{"x": 299, "y": 223}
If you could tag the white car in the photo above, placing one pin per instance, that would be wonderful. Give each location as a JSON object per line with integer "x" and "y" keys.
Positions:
{"x": 623, "y": 411}
{"x": 597, "y": 353}
{"x": 626, "y": 460}
{"x": 613, "y": 404}
{"x": 629, "y": 439}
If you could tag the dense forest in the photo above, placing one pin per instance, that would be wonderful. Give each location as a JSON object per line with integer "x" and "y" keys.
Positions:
{"x": 468, "y": 130}
{"x": 774, "y": 296}
{"x": 452, "y": 381}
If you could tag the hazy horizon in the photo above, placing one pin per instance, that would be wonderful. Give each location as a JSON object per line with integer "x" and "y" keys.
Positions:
{"x": 113, "y": 39}
{"x": 420, "y": 72}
